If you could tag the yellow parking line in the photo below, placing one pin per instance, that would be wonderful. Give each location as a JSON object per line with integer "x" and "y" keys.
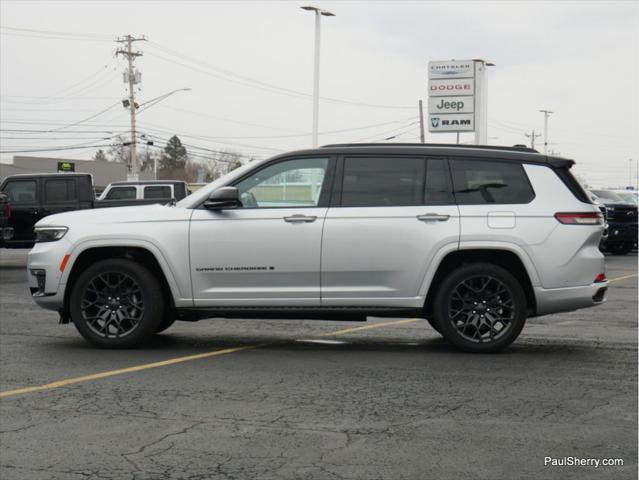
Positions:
{"x": 622, "y": 278}
{"x": 367, "y": 327}
{"x": 173, "y": 361}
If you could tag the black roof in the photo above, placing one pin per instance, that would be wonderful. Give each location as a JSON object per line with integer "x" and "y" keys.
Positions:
{"x": 148, "y": 182}
{"x": 51, "y": 174}
{"x": 516, "y": 153}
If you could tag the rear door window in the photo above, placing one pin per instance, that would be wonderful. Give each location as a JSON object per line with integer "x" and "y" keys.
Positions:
{"x": 383, "y": 181}
{"x": 478, "y": 182}
{"x": 157, "y": 191}
{"x": 121, "y": 193}
{"x": 21, "y": 192}
{"x": 438, "y": 190}
{"x": 60, "y": 191}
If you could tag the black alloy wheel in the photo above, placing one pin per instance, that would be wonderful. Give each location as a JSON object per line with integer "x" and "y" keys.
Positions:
{"x": 480, "y": 308}
{"x": 116, "y": 304}
{"x": 112, "y": 304}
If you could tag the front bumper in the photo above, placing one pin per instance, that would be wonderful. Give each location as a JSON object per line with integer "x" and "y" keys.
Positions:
{"x": 44, "y": 275}
{"x": 555, "y": 300}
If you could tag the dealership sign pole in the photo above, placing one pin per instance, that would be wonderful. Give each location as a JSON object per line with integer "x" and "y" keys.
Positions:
{"x": 457, "y": 98}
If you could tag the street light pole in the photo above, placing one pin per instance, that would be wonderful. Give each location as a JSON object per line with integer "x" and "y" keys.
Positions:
{"x": 546, "y": 113}
{"x": 318, "y": 14}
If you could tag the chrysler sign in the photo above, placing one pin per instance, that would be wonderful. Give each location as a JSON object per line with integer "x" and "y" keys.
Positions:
{"x": 451, "y": 69}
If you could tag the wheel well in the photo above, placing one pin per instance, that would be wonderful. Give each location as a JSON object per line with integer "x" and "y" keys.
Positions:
{"x": 503, "y": 258}
{"x": 136, "y": 254}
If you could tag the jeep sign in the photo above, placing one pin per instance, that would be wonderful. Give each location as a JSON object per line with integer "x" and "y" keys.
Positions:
{"x": 464, "y": 122}
{"x": 439, "y": 105}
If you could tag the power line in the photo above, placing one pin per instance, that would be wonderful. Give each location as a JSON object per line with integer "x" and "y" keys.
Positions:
{"x": 233, "y": 77}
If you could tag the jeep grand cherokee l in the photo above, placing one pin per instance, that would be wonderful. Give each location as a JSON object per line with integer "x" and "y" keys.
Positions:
{"x": 474, "y": 239}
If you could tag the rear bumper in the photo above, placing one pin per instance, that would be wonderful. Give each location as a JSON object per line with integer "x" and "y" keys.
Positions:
{"x": 555, "y": 300}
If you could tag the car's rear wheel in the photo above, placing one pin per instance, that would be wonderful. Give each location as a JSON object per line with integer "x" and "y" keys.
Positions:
{"x": 480, "y": 307}
{"x": 116, "y": 304}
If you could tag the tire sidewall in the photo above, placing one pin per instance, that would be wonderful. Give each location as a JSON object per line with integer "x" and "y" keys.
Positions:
{"x": 151, "y": 294}
{"x": 443, "y": 296}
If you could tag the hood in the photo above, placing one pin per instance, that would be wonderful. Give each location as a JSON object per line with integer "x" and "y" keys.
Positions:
{"x": 612, "y": 204}
{"x": 117, "y": 215}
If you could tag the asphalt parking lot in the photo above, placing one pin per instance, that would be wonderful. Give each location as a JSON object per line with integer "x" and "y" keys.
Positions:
{"x": 258, "y": 399}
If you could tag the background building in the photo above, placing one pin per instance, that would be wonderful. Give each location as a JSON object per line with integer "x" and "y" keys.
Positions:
{"x": 103, "y": 172}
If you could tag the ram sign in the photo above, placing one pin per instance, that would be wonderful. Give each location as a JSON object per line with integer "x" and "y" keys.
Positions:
{"x": 463, "y": 122}
{"x": 451, "y": 96}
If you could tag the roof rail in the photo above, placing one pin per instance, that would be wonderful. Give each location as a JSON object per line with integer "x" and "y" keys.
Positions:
{"x": 516, "y": 148}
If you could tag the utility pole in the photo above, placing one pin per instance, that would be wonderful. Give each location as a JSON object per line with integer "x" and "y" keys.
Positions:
{"x": 421, "y": 122}
{"x": 132, "y": 77}
{"x": 532, "y": 135}
{"x": 546, "y": 113}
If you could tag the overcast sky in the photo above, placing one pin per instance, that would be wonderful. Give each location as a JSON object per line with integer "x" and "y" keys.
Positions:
{"x": 248, "y": 62}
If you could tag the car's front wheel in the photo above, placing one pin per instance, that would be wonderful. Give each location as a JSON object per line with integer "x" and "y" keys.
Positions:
{"x": 480, "y": 307}
{"x": 116, "y": 304}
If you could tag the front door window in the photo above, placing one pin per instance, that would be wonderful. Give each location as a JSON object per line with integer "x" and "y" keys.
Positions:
{"x": 293, "y": 183}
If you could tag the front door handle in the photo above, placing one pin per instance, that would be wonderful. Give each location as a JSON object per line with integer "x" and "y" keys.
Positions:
{"x": 300, "y": 219}
{"x": 432, "y": 217}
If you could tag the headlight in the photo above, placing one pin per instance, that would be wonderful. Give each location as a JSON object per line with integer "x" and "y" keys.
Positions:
{"x": 49, "y": 234}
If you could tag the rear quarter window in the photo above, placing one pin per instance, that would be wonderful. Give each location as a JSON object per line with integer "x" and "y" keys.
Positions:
{"x": 477, "y": 182}
{"x": 121, "y": 193}
{"x": 157, "y": 191}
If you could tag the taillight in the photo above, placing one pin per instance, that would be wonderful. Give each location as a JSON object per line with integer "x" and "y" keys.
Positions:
{"x": 575, "y": 218}
{"x": 7, "y": 210}
{"x": 600, "y": 278}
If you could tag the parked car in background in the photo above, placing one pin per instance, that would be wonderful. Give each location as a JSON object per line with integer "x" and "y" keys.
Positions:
{"x": 475, "y": 239}
{"x": 156, "y": 190}
{"x": 621, "y": 216}
{"x": 6, "y": 232}
{"x": 630, "y": 196}
{"x": 35, "y": 196}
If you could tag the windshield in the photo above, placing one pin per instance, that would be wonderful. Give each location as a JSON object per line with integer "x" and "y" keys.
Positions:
{"x": 629, "y": 197}
{"x": 608, "y": 195}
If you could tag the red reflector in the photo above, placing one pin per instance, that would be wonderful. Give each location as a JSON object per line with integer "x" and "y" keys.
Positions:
{"x": 600, "y": 278}
{"x": 576, "y": 218}
{"x": 64, "y": 262}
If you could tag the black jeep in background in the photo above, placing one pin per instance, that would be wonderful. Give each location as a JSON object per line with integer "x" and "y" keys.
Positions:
{"x": 35, "y": 196}
{"x": 622, "y": 222}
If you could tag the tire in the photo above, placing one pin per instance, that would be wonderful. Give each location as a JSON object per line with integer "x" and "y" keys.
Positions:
{"x": 433, "y": 324}
{"x": 116, "y": 303}
{"x": 167, "y": 321}
{"x": 502, "y": 300}
{"x": 622, "y": 248}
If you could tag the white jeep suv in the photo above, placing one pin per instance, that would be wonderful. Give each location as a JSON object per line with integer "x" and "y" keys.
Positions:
{"x": 474, "y": 239}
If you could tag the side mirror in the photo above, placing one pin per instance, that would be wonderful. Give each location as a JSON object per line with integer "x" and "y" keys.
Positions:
{"x": 225, "y": 197}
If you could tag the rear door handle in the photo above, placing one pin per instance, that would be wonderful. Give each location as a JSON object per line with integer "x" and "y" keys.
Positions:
{"x": 432, "y": 217}
{"x": 300, "y": 219}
